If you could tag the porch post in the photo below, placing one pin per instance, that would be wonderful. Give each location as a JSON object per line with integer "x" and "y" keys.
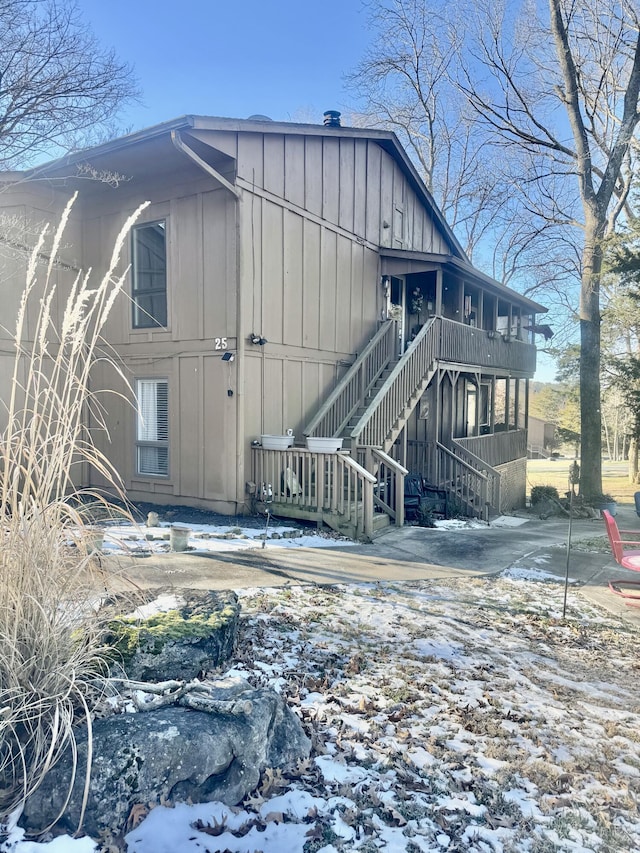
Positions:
{"x": 438, "y": 292}
{"x": 493, "y": 404}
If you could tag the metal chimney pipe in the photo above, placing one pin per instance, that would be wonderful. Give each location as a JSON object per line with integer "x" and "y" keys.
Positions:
{"x": 331, "y": 118}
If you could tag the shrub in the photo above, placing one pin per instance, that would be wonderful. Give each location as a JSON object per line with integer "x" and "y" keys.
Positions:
{"x": 539, "y": 494}
{"x": 50, "y": 636}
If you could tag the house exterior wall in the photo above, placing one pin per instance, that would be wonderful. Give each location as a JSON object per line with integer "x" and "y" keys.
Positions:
{"x": 541, "y": 433}
{"x": 201, "y": 237}
{"x": 293, "y": 258}
{"x": 351, "y": 184}
{"x": 26, "y": 211}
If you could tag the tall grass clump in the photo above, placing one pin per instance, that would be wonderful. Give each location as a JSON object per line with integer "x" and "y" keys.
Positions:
{"x": 51, "y": 659}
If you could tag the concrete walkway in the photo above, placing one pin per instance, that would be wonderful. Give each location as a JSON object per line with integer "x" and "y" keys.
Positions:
{"x": 405, "y": 554}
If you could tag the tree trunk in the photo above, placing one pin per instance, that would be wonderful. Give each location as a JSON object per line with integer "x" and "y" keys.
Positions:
{"x": 633, "y": 459}
{"x": 590, "y": 413}
{"x": 606, "y": 434}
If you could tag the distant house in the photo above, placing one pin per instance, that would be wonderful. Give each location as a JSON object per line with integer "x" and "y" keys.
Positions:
{"x": 294, "y": 277}
{"x": 541, "y": 438}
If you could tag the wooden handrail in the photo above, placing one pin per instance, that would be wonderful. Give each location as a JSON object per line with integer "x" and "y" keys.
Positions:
{"x": 377, "y": 422}
{"x": 492, "y": 476}
{"x": 378, "y": 453}
{"x": 351, "y": 392}
{"x": 392, "y": 474}
{"x": 368, "y": 481}
{"x": 462, "y": 481}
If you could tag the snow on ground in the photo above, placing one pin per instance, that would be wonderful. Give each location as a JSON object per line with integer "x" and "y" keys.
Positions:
{"x": 448, "y": 715}
{"x": 136, "y": 540}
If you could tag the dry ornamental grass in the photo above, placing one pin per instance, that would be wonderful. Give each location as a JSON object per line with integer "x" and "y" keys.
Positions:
{"x": 51, "y": 648}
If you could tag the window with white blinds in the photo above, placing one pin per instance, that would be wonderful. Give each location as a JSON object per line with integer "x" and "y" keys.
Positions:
{"x": 152, "y": 445}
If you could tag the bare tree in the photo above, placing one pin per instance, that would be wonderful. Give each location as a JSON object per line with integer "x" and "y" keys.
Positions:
{"x": 58, "y": 86}
{"x": 405, "y": 83}
{"x": 563, "y": 85}
{"x": 554, "y": 87}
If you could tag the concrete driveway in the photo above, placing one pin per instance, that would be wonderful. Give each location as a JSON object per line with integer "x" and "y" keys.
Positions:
{"x": 402, "y": 554}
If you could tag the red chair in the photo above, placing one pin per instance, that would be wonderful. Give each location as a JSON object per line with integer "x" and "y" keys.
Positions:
{"x": 627, "y": 558}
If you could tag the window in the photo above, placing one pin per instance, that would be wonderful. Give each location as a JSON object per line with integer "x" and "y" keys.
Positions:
{"x": 149, "y": 275}
{"x": 152, "y": 445}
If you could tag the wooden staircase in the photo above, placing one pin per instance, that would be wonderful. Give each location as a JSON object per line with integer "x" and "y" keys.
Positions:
{"x": 372, "y": 404}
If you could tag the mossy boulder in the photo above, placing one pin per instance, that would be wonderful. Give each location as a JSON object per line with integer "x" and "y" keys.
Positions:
{"x": 199, "y": 632}
{"x": 168, "y": 756}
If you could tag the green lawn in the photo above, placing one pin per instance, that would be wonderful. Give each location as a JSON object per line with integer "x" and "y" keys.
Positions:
{"x": 542, "y": 472}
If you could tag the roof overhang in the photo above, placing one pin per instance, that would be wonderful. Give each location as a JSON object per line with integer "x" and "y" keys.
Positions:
{"x": 400, "y": 262}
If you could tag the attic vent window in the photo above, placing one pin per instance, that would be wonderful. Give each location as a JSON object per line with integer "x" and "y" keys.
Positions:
{"x": 332, "y": 118}
{"x": 149, "y": 275}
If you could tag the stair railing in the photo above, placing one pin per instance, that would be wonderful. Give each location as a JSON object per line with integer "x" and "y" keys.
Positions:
{"x": 388, "y": 493}
{"x": 377, "y": 422}
{"x": 351, "y": 391}
{"x": 493, "y": 476}
{"x": 461, "y": 481}
{"x": 355, "y": 500}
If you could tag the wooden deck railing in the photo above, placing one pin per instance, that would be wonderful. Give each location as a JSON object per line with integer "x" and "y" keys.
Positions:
{"x": 317, "y": 484}
{"x": 351, "y": 392}
{"x": 498, "y": 448}
{"x": 483, "y": 467}
{"x": 375, "y": 426}
{"x": 462, "y": 344}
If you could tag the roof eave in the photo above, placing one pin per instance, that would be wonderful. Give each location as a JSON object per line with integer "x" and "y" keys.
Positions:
{"x": 156, "y": 130}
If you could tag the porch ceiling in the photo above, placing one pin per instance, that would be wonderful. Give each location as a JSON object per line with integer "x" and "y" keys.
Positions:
{"x": 400, "y": 262}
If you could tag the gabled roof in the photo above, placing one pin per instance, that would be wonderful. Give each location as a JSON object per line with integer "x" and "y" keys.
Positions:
{"x": 387, "y": 140}
{"x": 384, "y": 138}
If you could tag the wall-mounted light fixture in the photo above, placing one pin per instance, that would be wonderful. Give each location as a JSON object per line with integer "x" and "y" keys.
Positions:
{"x": 228, "y": 356}
{"x": 258, "y": 340}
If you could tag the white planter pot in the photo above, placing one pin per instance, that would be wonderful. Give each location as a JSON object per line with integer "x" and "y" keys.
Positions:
{"x": 93, "y": 538}
{"x": 324, "y": 444}
{"x": 277, "y": 442}
{"x": 179, "y": 537}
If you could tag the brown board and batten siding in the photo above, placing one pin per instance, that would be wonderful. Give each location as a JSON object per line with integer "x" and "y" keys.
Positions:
{"x": 202, "y": 305}
{"x": 26, "y": 212}
{"x": 314, "y": 211}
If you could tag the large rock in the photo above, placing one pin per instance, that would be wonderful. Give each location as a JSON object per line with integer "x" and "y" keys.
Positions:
{"x": 187, "y": 637}
{"x": 172, "y": 754}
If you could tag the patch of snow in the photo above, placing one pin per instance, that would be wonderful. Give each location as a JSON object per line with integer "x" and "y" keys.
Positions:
{"x": 336, "y": 771}
{"x": 458, "y": 523}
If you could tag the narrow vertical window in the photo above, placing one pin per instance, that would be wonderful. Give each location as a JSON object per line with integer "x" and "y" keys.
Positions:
{"x": 149, "y": 275}
{"x": 152, "y": 445}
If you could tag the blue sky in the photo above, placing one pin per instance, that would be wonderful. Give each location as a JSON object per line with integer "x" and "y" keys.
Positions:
{"x": 285, "y": 58}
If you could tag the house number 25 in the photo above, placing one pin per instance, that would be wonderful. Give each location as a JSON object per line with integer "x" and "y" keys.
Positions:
{"x": 220, "y": 343}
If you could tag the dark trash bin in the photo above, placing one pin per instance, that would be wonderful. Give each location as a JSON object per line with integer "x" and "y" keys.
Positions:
{"x": 422, "y": 500}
